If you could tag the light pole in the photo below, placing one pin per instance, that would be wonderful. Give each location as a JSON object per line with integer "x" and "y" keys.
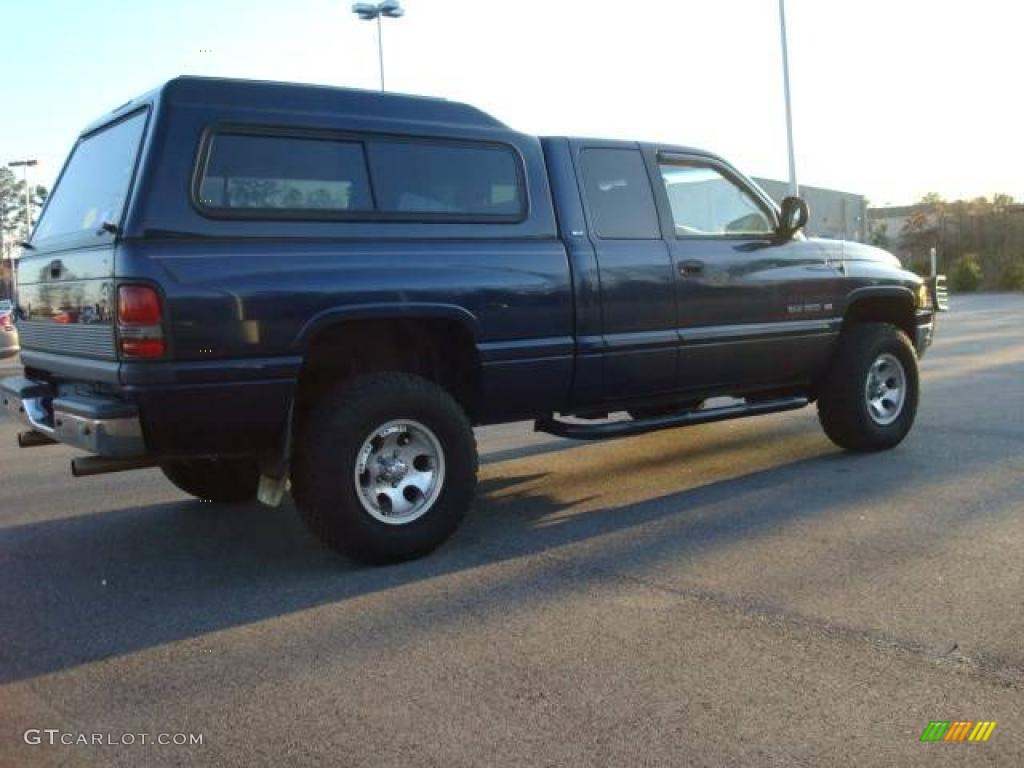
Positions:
{"x": 391, "y": 9}
{"x": 25, "y": 165}
{"x": 794, "y": 188}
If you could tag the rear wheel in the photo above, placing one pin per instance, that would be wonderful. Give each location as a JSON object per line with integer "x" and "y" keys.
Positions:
{"x": 868, "y": 400}
{"x": 385, "y": 467}
{"x": 220, "y": 480}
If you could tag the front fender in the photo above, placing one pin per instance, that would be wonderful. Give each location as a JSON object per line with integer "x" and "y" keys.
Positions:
{"x": 900, "y": 292}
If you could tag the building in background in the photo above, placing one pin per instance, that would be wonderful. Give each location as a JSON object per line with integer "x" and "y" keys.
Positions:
{"x": 890, "y": 224}
{"x": 835, "y": 214}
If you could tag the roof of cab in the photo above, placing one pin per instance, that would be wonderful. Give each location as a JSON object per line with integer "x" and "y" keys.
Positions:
{"x": 302, "y": 97}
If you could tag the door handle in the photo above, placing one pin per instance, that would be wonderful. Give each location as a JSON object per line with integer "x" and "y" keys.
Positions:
{"x": 691, "y": 268}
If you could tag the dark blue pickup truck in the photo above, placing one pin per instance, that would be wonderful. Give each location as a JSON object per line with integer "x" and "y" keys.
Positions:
{"x": 257, "y": 286}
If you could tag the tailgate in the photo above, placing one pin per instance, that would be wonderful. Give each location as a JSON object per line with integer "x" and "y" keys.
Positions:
{"x": 65, "y": 289}
{"x": 66, "y": 303}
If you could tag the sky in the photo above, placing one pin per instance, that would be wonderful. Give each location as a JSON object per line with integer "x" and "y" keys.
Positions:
{"x": 891, "y": 98}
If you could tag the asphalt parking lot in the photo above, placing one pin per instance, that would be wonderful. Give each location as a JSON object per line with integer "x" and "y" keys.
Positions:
{"x": 732, "y": 594}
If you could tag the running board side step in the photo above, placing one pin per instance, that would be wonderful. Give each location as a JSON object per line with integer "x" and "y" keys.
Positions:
{"x": 683, "y": 419}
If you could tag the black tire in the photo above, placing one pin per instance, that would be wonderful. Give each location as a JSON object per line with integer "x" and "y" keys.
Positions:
{"x": 221, "y": 480}
{"x": 331, "y": 442}
{"x": 654, "y": 412}
{"x": 843, "y": 404}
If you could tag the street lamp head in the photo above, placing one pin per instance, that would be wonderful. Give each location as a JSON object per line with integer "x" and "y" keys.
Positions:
{"x": 365, "y": 11}
{"x": 392, "y": 9}
{"x": 20, "y": 163}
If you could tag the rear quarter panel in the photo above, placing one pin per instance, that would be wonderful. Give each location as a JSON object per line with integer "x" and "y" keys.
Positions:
{"x": 252, "y": 299}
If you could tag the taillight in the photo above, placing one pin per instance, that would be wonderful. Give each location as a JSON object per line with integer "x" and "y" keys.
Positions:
{"x": 5, "y": 322}
{"x": 140, "y": 322}
{"x": 138, "y": 305}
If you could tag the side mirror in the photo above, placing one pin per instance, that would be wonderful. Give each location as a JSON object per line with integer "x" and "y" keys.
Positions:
{"x": 793, "y": 217}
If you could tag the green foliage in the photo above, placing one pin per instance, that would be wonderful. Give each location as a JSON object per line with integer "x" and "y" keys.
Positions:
{"x": 12, "y": 196}
{"x": 987, "y": 231}
{"x": 918, "y": 236}
{"x": 12, "y": 206}
{"x": 1012, "y": 278}
{"x": 966, "y": 275}
{"x": 877, "y": 236}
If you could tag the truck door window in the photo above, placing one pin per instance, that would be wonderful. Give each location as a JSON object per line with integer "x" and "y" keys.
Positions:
{"x": 285, "y": 172}
{"x": 705, "y": 202}
{"x": 619, "y": 195}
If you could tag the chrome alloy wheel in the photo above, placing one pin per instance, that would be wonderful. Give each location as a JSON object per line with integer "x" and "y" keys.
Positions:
{"x": 885, "y": 390}
{"x": 399, "y": 472}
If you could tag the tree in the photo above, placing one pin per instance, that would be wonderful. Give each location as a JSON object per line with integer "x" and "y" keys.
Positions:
{"x": 11, "y": 192}
{"x": 979, "y": 205}
{"x": 878, "y": 236}
{"x": 12, "y": 221}
{"x": 918, "y": 236}
{"x": 12, "y": 207}
{"x": 39, "y": 196}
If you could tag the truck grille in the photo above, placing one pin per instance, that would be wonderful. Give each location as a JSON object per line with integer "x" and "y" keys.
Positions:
{"x": 68, "y": 339}
{"x": 941, "y": 293}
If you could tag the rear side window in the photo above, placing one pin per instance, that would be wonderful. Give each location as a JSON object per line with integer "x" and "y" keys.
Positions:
{"x": 93, "y": 188}
{"x": 285, "y": 173}
{"x": 619, "y": 195}
{"x": 424, "y": 177}
{"x": 360, "y": 178}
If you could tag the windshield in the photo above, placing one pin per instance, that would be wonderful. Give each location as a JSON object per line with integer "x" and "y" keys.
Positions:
{"x": 94, "y": 185}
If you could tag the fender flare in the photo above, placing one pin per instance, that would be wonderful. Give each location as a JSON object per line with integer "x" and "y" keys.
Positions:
{"x": 880, "y": 292}
{"x": 385, "y": 311}
{"x": 898, "y": 295}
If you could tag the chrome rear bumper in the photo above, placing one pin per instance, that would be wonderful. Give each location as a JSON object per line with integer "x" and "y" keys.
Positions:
{"x": 100, "y": 425}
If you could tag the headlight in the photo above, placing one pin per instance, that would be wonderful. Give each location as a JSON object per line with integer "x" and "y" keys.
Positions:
{"x": 924, "y": 296}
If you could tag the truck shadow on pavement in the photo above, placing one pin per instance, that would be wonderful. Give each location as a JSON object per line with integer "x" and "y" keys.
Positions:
{"x": 101, "y": 585}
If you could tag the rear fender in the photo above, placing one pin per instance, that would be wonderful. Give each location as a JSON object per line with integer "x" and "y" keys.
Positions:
{"x": 404, "y": 311}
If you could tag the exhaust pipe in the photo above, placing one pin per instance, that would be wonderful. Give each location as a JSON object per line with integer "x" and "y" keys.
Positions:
{"x": 84, "y": 466}
{"x": 32, "y": 438}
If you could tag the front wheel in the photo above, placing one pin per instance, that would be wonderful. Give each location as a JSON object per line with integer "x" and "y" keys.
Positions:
{"x": 869, "y": 398}
{"x": 385, "y": 467}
